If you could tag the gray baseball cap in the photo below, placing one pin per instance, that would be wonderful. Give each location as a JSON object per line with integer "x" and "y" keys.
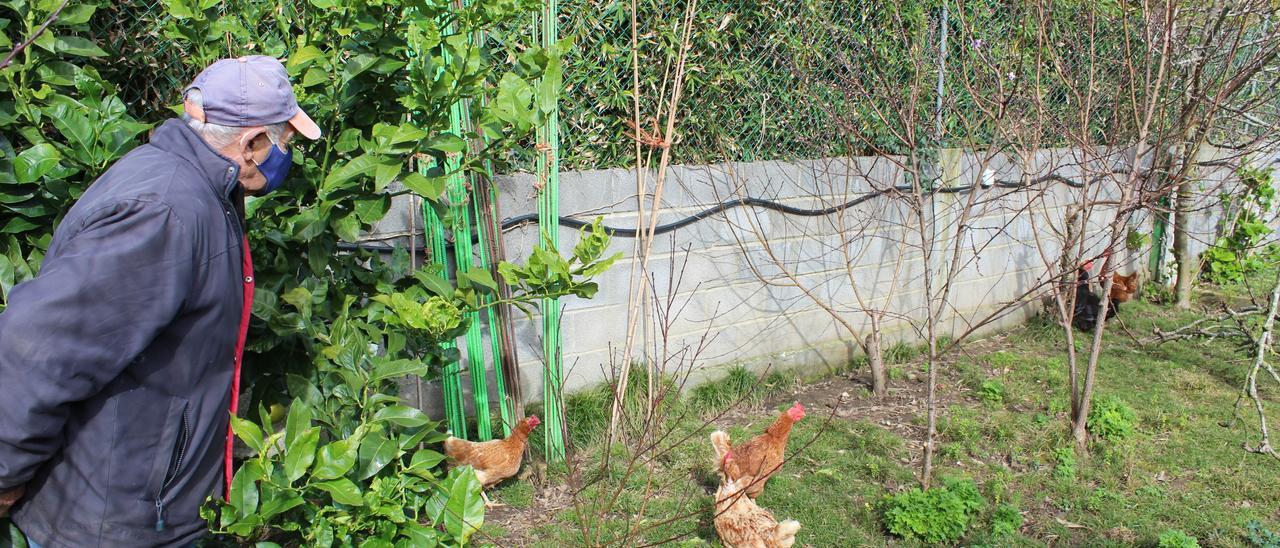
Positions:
{"x": 249, "y": 91}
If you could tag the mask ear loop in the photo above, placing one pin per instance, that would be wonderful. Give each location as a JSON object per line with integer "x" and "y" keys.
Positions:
{"x": 271, "y": 140}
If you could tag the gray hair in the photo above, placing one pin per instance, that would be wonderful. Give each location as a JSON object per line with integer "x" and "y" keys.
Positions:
{"x": 218, "y": 136}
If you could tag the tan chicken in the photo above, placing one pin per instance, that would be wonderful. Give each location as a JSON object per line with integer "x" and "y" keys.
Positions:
{"x": 495, "y": 460}
{"x": 759, "y": 457}
{"x": 741, "y": 523}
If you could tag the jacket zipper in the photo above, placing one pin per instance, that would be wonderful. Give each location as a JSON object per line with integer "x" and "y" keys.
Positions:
{"x": 172, "y": 474}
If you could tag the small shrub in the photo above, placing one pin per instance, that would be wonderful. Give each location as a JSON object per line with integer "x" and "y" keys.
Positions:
{"x": 953, "y": 451}
{"x": 739, "y": 385}
{"x": 1003, "y": 359}
{"x": 1240, "y": 252}
{"x": 991, "y": 392}
{"x": 1006, "y": 521}
{"x": 1111, "y": 420}
{"x": 1157, "y": 293}
{"x": 1101, "y": 499}
{"x": 1151, "y": 491}
{"x": 1174, "y": 538}
{"x": 962, "y": 429}
{"x": 1261, "y": 537}
{"x": 1136, "y": 240}
{"x": 1065, "y": 464}
{"x": 587, "y": 413}
{"x": 900, "y": 353}
{"x": 938, "y": 515}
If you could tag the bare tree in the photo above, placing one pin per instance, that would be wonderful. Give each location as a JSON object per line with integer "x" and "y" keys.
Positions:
{"x": 646, "y": 141}
{"x": 821, "y": 251}
{"x": 1224, "y": 53}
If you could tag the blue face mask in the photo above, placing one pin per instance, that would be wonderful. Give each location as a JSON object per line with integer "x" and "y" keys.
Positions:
{"x": 275, "y": 168}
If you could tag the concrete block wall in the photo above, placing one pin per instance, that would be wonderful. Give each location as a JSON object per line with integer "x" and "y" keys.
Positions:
{"x": 744, "y": 282}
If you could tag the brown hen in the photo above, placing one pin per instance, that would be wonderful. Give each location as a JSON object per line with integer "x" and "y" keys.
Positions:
{"x": 758, "y": 457}
{"x": 495, "y": 460}
{"x": 1123, "y": 287}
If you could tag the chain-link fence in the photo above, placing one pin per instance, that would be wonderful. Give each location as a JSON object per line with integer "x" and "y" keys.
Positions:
{"x": 145, "y": 62}
{"x": 148, "y": 48}
{"x": 818, "y": 78}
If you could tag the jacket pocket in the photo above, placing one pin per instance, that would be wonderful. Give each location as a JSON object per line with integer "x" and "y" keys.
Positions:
{"x": 173, "y": 452}
{"x": 179, "y": 455}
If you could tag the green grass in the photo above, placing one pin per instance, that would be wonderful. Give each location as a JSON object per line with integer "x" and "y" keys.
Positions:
{"x": 738, "y": 385}
{"x": 1178, "y": 470}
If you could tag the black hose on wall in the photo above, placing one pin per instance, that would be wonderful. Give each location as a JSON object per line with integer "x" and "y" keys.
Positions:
{"x": 512, "y": 223}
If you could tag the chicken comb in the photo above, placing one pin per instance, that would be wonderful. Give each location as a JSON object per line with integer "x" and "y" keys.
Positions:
{"x": 796, "y": 412}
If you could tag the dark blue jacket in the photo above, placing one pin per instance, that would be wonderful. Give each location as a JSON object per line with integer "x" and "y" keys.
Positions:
{"x": 116, "y": 361}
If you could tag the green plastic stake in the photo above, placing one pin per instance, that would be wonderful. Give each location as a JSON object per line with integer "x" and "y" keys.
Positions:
{"x": 459, "y": 210}
{"x": 450, "y": 383}
{"x": 548, "y": 217}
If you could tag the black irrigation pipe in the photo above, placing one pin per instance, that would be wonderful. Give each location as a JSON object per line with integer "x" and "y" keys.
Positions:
{"x": 512, "y": 223}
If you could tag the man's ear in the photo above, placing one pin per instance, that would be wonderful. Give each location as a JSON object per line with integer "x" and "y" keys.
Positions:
{"x": 254, "y": 141}
{"x": 196, "y": 113}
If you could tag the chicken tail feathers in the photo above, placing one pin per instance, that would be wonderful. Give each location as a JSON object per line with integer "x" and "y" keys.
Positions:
{"x": 455, "y": 447}
{"x": 786, "y": 533}
{"x": 720, "y": 443}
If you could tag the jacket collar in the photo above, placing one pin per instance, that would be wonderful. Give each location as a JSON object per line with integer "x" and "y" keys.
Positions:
{"x": 176, "y": 137}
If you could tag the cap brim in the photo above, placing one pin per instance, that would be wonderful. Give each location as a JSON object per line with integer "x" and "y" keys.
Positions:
{"x": 305, "y": 125}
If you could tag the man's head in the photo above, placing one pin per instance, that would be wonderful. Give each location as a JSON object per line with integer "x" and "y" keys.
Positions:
{"x": 243, "y": 108}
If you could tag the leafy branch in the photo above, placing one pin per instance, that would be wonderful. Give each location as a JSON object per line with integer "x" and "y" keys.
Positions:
{"x": 39, "y": 31}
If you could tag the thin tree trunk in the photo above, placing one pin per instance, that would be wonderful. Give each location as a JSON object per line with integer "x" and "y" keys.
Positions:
{"x": 879, "y": 376}
{"x": 1182, "y": 206}
{"x": 1182, "y": 243}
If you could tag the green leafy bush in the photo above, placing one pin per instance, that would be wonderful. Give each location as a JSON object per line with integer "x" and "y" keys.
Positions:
{"x": 381, "y": 78}
{"x": 1261, "y": 537}
{"x": 1006, "y": 521}
{"x": 1111, "y": 420}
{"x": 1238, "y": 252}
{"x": 991, "y": 392}
{"x": 1135, "y": 240}
{"x": 1064, "y": 464}
{"x": 940, "y": 514}
{"x": 61, "y": 125}
{"x": 1174, "y": 538}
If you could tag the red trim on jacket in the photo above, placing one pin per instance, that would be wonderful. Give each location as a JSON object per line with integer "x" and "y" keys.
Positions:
{"x": 246, "y": 310}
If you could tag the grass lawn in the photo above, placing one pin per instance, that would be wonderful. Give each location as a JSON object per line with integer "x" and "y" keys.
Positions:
{"x": 1004, "y": 426}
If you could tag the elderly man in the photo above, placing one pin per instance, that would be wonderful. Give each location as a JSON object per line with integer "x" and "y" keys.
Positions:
{"x": 120, "y": 361}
